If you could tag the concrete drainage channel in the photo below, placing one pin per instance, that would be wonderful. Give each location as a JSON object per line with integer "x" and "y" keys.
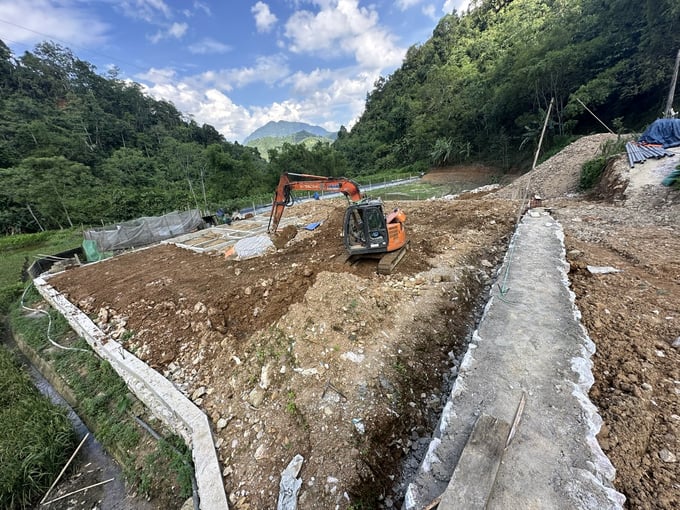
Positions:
{"x": 518, "y": 430}
{"x": 157, "y": 393}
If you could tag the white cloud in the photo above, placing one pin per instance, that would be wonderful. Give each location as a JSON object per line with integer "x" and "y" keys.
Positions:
{"x": 341, "y": 27}
{"x": 176, "y": 30}
{"x": 163, "y": 75}
{"x": 264, "y": 18}
{"x": 460, "y": 6}
{"x": 306, "y": 83}
{"x": 407, "y": 4}
{"x": 207, "y": 46}
{"x": 320, "y": 97}
{"x": 31, "y": 21}
{"x": 147, "y": 10}
{"x": 268, "y": 70}
{"x": 200, "y": 6}
{"x": 429, "y": 10}
{"x": 208, "y": 106}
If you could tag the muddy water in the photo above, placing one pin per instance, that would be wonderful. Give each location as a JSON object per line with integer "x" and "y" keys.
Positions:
{"x": 92, "y": 465}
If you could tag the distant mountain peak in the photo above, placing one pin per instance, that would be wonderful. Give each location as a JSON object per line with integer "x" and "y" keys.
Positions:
{"x": 282, "y": 128}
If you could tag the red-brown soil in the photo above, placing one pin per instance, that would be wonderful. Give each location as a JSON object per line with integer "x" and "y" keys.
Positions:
{"x": 298, "y": 351}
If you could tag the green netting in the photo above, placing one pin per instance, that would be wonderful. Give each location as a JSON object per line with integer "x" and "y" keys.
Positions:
{"x": 91, "y": 252}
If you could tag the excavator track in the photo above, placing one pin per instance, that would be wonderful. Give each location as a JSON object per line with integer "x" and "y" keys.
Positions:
{"x": 389, "y": 261}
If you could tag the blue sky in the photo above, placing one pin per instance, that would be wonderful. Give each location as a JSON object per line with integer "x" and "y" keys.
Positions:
{"x": 237, "y": 64}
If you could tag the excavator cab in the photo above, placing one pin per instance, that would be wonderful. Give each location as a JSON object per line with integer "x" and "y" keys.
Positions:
{"x": 367, "y": 229}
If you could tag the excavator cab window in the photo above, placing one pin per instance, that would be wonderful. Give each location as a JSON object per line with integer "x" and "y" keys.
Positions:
{"x": 365, "y": 228}
{"x": 375, "y": 222}
{"x": 354, "y": 229}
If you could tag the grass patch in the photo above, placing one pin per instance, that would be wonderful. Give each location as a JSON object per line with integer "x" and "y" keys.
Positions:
{"x": 36, "y": 441}
{"x": 591, "y": 171}
{"x": 105, "y": 404}
{"x": 19, "y": 251}
{"x": 412, "y": 191}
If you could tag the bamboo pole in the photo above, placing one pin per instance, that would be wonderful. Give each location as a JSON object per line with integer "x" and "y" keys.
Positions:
{"x": 79, "y": 490}
{"x": 540, "y": 140}
{"x": 36, "y": 219}
{"x": 64, "y": 468}
{"x": 596, "y": 117}
{"x": 671, "y": 92}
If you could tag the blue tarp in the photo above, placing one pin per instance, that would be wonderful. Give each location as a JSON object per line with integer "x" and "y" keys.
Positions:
{"x": 663, "y": 131}
{"x": 313, "y": 226}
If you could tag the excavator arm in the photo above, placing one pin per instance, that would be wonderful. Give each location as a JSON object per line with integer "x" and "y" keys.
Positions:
{"x": 288, "y": 182}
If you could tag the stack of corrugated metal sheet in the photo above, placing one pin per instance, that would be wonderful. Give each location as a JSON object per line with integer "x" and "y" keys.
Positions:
{"x": 639, "y": 153}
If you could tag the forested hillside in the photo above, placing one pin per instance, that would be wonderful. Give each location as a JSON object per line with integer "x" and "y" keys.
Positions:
{"x": 480, "y": 87}
{"x": 269, "y": 143}
{"x": 78, "y": 147}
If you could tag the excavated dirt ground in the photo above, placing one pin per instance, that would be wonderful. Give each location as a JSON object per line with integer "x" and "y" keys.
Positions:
{"x": 300, "y": 352}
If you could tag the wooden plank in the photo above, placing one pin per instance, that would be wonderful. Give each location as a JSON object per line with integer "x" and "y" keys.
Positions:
{"x": 475, "y": 474}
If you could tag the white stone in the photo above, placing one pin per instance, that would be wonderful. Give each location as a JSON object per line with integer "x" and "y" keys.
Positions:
{"x": 667, "y": 456}
{"x": 198, "y": 393}
{"x": 260, "y": 452}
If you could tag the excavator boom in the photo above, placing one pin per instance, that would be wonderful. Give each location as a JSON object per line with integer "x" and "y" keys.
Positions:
{"x": 305, "y": 182}
{"x": 367, "y": 232}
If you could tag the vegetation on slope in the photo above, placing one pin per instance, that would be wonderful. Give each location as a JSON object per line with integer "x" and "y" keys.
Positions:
{"x": 269, "y": 143}
{"x": 479, "y": 88}
{"x": 77, "y": 147}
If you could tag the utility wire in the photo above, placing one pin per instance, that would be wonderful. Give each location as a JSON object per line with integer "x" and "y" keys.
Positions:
{"x": 68, "y": 45}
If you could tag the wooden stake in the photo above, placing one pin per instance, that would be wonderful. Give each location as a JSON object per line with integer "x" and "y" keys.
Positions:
{"x": 64, "y": 468}
{"x": 515, "y": 422}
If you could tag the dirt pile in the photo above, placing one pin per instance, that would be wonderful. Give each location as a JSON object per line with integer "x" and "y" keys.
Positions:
{"x": 299, "y": 352}
{"x": 559, "y": 175}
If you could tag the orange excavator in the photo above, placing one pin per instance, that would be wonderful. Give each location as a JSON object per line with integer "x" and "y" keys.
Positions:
{"x": 367, "y": 231}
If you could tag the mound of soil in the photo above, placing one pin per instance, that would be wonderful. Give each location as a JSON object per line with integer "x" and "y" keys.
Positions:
{"x": 559, "y": 175}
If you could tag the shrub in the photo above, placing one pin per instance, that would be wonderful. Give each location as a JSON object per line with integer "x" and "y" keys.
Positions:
{"x": 591, "y": 171}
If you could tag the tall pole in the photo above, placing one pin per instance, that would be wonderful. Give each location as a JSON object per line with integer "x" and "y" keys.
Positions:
{"x": 36, "y": 219}
{"x": 540, "y": 140}
{"x": 671, "y": 92}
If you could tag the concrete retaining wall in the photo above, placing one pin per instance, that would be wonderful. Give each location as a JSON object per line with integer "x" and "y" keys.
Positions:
{"x": 165, "y": 401}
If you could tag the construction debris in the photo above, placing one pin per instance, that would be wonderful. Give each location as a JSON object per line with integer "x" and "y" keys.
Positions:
{"x": 290, "y": 484}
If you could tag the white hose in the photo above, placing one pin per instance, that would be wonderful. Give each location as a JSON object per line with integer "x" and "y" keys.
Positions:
{"x": 49, "y": 324}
